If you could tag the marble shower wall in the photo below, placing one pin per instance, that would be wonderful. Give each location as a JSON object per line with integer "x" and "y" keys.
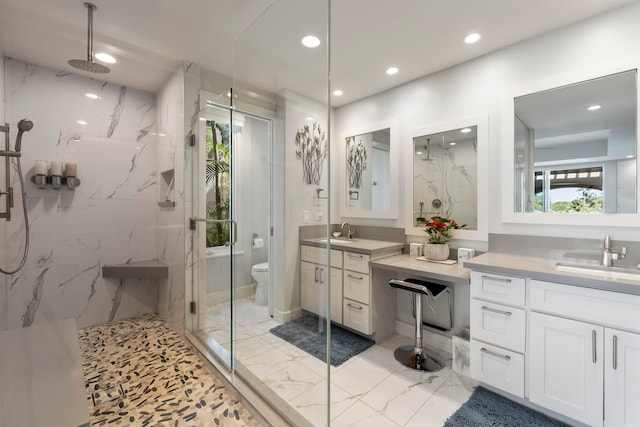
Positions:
{"x": 109, "y": 219}
{"x": 171, "y": 220}
{"x": 450, "y": 176}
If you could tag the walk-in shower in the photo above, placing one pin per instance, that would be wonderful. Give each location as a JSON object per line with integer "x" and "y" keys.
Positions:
{"x": 24, "y": 125}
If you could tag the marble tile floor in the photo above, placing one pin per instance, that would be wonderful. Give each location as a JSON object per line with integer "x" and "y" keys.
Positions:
{"x": 370, "y": 389}
{"x": 139, "y": 372}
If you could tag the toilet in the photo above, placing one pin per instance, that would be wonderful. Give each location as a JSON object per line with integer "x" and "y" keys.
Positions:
{"x": 260, "y": 273}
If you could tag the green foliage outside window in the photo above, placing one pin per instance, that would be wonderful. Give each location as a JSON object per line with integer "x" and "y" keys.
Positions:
{"x": 218, "y": 181}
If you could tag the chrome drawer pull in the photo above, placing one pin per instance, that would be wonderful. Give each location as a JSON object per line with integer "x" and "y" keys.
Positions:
{"x": 354, "y": 277}
{"x": 316, "y": 275}
{"x": 500, "y": 356}
{"x": 593, "y": 346}
{"x": 493, "y": 310}
{"x": 497, "y": 279}
{"x": 355, "y": 255}
{"x": 354, "y": 306}
{"x": 615, "y": 352}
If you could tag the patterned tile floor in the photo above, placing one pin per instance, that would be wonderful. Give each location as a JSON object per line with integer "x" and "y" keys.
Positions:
{"x": 370, "y": 389}
{"x": 139, "y": 372}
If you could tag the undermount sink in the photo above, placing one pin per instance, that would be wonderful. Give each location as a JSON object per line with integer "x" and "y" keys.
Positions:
{"x": 603, "y": 272}
{"x": 338, "y": 241}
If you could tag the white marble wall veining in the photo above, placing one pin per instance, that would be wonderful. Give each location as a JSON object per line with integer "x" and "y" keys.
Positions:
{"x": 170, "y": 237}
{"x": 109, "y": 218}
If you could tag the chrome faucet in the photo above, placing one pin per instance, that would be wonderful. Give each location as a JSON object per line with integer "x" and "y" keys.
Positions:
{"x": 349, "y": 231}
{"x": 607, "y": 256}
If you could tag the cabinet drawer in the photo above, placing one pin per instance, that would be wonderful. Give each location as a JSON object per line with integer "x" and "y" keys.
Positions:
{"x": 356, "y": 262}
{"x": 499, "y": 288}
{"x": 498, "y": 324}
{"x": 356, "y": 316}
{"x": 500, "y": 368}
{"x": 357, "y": 287}
{"x": 613, "y": 309}
{"x": 319, "y": 255}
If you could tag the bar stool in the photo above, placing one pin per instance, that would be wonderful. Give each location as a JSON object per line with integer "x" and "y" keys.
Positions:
{"x": 416, "y": 357}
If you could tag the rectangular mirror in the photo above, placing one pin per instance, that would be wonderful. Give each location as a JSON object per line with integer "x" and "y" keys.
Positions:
{"x": 447, "y": 173}
{"x": 575, "y": 147}
{"x": 570, "y": 149}
{"x": 369, "y": 159}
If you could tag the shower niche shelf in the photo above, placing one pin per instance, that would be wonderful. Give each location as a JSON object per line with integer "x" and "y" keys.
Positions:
{"x": 153, "y": 269}
{"x": 167, "y": 189}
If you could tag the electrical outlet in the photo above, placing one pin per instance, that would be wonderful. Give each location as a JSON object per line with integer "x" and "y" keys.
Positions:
{"x": 305, "y": 216}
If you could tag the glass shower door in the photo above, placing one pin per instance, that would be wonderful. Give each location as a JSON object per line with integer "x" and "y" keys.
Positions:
{"x": 214, "y": 228}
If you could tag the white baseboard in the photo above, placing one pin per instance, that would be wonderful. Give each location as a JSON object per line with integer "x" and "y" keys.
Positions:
{"x": 429, "y": 338}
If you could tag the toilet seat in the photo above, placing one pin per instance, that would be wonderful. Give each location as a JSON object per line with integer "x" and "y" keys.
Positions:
{"x": 263, "y": 266}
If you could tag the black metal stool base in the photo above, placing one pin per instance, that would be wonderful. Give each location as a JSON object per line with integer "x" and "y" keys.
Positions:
{"x": 422, "y": 361}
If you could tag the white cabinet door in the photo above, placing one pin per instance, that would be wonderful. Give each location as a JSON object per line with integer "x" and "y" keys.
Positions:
{"x": 313, "y": 290}
{"x": 622, "y": 379}
{"x": 312, "y": 293}
{"x": 566, "y": 367}
{"x": 336, "y": 294}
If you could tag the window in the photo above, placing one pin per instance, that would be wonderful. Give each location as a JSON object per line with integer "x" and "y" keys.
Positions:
{"x": 218, "y": 181}
{"x": 569, "y": 190}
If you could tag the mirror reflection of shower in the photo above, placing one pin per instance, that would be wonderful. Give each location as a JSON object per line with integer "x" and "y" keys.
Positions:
{"x": 24, "y": 125}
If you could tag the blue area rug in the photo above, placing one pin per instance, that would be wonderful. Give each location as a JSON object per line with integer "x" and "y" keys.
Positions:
{"x": 486, "y": 408}
{"x": 309, "y": 334}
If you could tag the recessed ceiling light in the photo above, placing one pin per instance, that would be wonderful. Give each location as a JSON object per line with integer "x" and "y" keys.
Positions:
{"x": 310, "y": 118}
{"x": 338, "y": 92}
{"x": 418, "y": 152}
{"x": 82, "y": 122}
{"x": 594, "y": 107}
{"x": 310, "y": 41}
{"x": 465, "y": 130}
{"x": 472, "y": 38}
{"x": 452, "y": 143}
{"x": 105, "y": 57}
{"x": 91, "y": 96}
{"x": 630, "y": 156}
{"x": 392, "y": 70}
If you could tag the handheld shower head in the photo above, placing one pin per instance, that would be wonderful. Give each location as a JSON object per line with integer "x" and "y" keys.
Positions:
{"x": 24, "y": 125}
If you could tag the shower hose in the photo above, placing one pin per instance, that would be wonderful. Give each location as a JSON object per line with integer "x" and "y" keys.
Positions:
{"x": 26, "y": 223}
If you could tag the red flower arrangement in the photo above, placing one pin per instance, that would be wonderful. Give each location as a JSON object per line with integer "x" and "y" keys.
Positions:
{"x": 438, "y": 229}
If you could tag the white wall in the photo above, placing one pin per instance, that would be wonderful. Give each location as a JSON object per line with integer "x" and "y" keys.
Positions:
{"x": 476, "y": 86}
{"x": 295, "y": 197}
{"x": 109, "y": 219}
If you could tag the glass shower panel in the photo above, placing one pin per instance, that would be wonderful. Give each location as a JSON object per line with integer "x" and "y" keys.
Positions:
{"x": 281, "y": 348}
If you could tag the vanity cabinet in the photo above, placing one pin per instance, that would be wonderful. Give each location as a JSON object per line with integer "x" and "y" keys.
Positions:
{"x": 357, "y": 293}
{"x": 582, "y": 363}
{"x": 314, "y": 279}
{"x": 498, "y": 330}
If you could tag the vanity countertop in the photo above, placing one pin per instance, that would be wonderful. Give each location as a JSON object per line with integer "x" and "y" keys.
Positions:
{"x": 363, "y": 246}
{"x": 406, "y": 264}
{"x": 544, "y": 269}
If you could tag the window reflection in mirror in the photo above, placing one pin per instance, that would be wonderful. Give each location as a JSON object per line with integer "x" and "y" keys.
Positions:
{"x": 368, "y": 171}
{"x": 445, "y": 176}
{"x": 575, "y": 147}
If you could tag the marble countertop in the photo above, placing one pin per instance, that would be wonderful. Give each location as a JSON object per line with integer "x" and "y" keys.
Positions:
{"x": 544, "y": 269}
{"x": 406, "y": 264}
{"x": 363, "y": 246}
{"x": 41, "y": 378}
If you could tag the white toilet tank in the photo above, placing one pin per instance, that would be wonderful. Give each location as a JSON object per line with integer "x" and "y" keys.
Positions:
{"x": 260, "y": 273}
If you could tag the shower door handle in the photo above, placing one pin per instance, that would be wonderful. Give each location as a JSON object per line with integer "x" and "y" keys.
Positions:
{"x": 233, "y": 225}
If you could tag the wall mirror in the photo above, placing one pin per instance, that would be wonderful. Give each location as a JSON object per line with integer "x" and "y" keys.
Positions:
{"x": 369, "y": 157}
{"x": 573, "y": 152}
{"x": 446, "y": 175}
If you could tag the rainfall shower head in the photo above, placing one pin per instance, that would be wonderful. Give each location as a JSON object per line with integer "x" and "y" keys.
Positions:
{"x": 24, "y": 125}
{"x": 88, "y": 64}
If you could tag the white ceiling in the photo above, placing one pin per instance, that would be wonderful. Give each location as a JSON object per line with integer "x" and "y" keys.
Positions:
{"x": 151, "y": 37}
